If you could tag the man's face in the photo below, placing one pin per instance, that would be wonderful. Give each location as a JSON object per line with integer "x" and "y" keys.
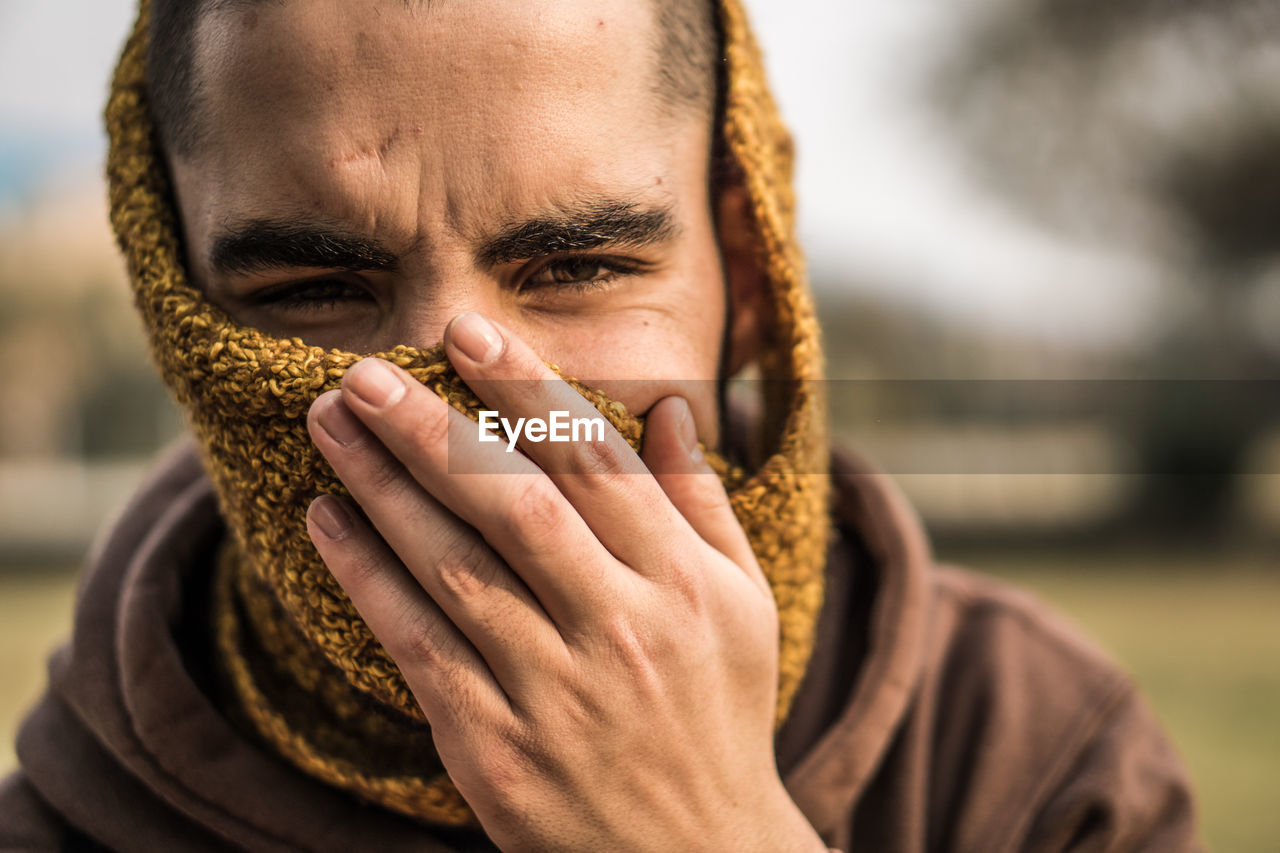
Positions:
{"x": 371, "y": 169}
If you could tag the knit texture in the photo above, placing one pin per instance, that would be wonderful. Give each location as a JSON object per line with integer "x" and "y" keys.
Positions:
{"x": 304, "y": 671}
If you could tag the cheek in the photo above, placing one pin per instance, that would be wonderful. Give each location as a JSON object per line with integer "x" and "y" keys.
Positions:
{"x": 659, "y": 345}
{"x": 668, "y": 345}
{"x": 665, "y": 327}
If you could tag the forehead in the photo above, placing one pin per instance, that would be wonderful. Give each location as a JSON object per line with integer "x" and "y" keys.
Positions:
{"x": 318, "y": 50}
{"x": 478, "y": 106}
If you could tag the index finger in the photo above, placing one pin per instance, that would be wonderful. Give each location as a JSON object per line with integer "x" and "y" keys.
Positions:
{"x": 602, "y": 477}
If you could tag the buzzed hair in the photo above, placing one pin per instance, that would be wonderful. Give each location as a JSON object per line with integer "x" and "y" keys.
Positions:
{"x": 688, "y": 53}
{"x": 687, "y": 58}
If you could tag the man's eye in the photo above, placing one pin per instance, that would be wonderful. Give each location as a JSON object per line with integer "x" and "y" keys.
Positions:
{"x": 315, "y": 296}
{"x": 579, "y": 273}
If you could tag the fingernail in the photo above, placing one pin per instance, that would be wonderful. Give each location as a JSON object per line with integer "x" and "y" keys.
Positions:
{"x": 689, "y": 432}
{"x": 373, "y": 381}
{"x": 331, "y": 516}
{"x": 476, "y": 337}
{"x": 338, "y": 421}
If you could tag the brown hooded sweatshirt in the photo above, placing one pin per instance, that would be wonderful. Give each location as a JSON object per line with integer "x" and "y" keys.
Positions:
{"x": 941, "y": 712}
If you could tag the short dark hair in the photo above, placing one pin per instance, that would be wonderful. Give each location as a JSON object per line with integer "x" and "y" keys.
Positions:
{"x": 688, "y": 53}
{"x": 687, "y": 48}
{"x": 171, "y": 82}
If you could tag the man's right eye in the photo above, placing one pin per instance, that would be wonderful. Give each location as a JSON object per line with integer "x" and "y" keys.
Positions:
{"x": 311, "y": 296}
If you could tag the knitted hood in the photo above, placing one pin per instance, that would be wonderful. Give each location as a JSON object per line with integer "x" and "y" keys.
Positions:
{"x": 304, "y": 671}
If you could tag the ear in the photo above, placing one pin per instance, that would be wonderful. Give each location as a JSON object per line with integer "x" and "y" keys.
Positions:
{"x": 744, "y": 275}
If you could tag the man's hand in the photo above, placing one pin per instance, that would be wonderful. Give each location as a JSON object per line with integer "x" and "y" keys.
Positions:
{"x": 594, "y": 645}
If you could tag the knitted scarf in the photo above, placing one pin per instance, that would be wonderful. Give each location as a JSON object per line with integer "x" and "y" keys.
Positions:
{"x": 303, "y": 671}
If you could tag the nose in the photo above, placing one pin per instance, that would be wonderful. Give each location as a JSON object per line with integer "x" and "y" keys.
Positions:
{"x": 421, "y": 311}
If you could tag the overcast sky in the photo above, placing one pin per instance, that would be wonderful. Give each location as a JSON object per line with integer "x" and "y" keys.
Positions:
{"x": 886, "y": 206}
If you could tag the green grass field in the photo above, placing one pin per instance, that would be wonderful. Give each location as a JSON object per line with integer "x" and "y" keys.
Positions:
{"x": 1203, "y": 641}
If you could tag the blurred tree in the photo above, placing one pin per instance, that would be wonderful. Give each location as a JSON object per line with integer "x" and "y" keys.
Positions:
{"x": 1152, "y": 125}
{"x": 77, "y": 383}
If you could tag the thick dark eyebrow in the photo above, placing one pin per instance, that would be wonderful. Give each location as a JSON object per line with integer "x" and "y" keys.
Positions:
{"x": 590, "y": 226}
{"x": 262, "y": 244}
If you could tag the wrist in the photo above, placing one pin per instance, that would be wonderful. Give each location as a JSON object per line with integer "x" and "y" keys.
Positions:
{"x": 789, "y": 829}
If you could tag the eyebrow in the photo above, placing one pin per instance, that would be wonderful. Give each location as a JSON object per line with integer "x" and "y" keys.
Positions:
{"x": 260, "y": 245}
{"x": 591, "y": 225}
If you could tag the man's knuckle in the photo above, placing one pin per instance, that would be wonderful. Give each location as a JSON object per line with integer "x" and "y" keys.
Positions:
{"x": 627, "y": 644}
{"x": 537, "y": 508}
{"x": 429, "y": 427}
{"x": 582, "y": 707}
{"x": 687, "y": 584}
{"x": 600, "y": 460}
{"x": 466, "y": 568}
{"x": 386, "y": 475}
{"x": 422, "y": 642}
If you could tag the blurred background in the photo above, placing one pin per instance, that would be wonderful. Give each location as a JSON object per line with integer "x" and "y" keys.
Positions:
{"x": 1045, "y": 235}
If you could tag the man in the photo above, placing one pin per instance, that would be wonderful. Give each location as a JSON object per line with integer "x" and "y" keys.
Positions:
{"x": 370, "y": 627}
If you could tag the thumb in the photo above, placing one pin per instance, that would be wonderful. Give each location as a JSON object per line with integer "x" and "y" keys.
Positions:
{"x": 673, "y": 456}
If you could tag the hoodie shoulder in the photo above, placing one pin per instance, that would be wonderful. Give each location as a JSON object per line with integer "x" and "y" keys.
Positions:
{"x": 1039, "y": 740}
{"x": 980, "y": 720}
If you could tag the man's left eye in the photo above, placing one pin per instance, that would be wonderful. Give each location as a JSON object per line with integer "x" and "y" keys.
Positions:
{"x": 578, "y": 273}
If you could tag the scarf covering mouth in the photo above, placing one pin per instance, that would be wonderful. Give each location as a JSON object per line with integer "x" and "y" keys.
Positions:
{"x": 302, "y": 671}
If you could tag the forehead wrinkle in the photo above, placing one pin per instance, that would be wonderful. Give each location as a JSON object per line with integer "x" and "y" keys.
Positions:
{"x": 576, "y": 58}
{"x": 357, "y": 75}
